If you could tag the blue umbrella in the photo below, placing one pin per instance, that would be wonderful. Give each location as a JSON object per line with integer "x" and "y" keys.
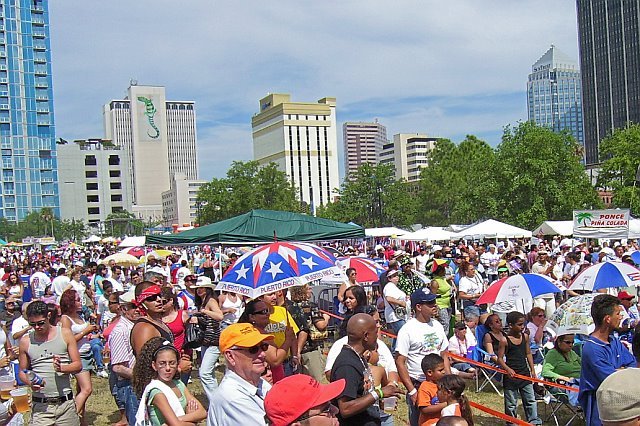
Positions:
{"x": 635, "y": 256}
{"x": 606, "y": 275}
{"x": 277, "y": 266}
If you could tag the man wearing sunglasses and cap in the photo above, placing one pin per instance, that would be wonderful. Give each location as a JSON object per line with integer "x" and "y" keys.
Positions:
{"x": 240, "y": 396}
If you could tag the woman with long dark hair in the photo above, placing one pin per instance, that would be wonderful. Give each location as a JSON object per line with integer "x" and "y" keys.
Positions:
{"x": 208, "y": 305}
{"x": 355, "y": 300}
{"x": 176, "y": 319}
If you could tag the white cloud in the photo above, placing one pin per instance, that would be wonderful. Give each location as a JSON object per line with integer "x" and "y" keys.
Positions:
{"x": 227, "y": 55}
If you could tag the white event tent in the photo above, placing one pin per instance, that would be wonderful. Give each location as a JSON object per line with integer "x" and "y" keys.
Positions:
{"x": 390, "y": 231}
{"x": 493, "y": 229}
{"x": 133, "y": 242}
{"x": 430, "y": 233}
{"x": 554, "y": 227}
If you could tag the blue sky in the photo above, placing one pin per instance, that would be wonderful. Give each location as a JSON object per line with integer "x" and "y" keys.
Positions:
{"x": 417, "y": 66}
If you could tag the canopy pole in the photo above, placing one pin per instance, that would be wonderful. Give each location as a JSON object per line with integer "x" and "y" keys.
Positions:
{"x": 220, "y": 261}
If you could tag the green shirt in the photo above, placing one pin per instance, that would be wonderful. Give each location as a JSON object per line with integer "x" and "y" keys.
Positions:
{"x": 556, "y": 365}
{"x": 155, "y": 416}
{"x": 444, "y": 291}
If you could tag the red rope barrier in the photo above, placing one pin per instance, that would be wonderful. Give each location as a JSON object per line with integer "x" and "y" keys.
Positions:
{"x": 481, "y": 364}
{"x": 497, "y": 414}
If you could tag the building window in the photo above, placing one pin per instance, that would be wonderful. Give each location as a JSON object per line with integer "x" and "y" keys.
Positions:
{"x": 114, "y": 173}
{"x": 116, "y": 209}
{"x": 92, "y": 199}
{"x": 93, "y": 210}
{"x": 91, "y": 174}
{"x": 92, "y": 186}
{"x": 114, "y": 160}
{"x": 90, "y": 160}
{"x": 116, "y": 197}
{"x": 115, "y": 185}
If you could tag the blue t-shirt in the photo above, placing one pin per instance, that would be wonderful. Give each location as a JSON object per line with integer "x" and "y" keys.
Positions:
{"x": 599, "y": 360}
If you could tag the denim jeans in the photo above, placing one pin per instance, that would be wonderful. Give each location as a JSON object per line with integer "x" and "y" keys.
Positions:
{"x": 414, "y": 412}
{"x": 444, "y": 318}
{"x": 130, "y": 401}
{"x": 207, "y": 371}
{"x": 386, "y": 419}
{"x": 528, "y": 402}
{"x": 395, "y": 326}
{"x": 97, "y": 346}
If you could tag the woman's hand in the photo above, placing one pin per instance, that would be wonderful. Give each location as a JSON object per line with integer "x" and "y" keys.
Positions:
{"x": 4, "y": 361}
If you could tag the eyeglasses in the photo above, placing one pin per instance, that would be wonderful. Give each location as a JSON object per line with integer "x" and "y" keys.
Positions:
{"x": 568, "y": 342}
{"x": 540, "y": 315}
{"x": 112, "y": 302}
{"x": 262, "y": 312}
{"x": 327, "y": 411}
{"x": 154, "y": 298}
{"x": 353, "y": 274}
{"x": 262, "y": 347}
{"x": 163, "y": 364}
{"x": 38, "y": 323}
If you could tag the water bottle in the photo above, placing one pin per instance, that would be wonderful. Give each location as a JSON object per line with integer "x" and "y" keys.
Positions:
{"x": 33, "y": 378}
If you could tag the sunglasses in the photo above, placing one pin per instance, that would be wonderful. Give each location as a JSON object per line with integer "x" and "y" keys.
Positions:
{"x": 540, "y": 315}
{"x": 154, "y": 298}
{"x": 262, "y": 347}
{"x": 38, "y": 323}
{"x": 262, "y": 312}
{"x": 326, "y": 412}
{"x": 568, "y": 342}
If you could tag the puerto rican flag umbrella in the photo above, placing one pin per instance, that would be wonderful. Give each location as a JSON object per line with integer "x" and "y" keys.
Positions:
{"x": 134, "y": 251}
{"x": 277, "y": 266}
{"x": 518, "y": 287}
{"x": 368, "y": 271}
{"x": 605, "y": 275}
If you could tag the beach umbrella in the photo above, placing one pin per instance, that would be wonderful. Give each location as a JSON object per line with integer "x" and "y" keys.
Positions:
{"x": 277, "y": 266}
{"x": 606, "y": 275}
{"x": 368, "y": 271}
{"x": 635, "y": 256}
{"x": 573, "y": 316}
{"x": 517, "y": 288}
{"x": 122, "y": 259}
{"x": 334, "y": 251}
{"x": 134, "y": 251}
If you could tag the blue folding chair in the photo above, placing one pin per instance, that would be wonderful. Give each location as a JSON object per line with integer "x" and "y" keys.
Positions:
{"x": 485, "y": 377}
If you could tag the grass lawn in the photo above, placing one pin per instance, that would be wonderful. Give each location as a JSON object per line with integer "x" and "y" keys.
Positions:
{"x": 101, "y": 409}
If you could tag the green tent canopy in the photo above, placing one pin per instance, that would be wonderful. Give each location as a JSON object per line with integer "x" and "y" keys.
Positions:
{"x": 263, "y": 226}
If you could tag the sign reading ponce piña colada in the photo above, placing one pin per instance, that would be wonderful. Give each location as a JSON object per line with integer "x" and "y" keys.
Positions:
{"x": 601, "y": 223}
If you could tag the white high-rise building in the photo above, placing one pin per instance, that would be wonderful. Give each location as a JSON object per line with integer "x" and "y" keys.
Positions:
{"x": 408, "y": 153}
{"x": 159, "y": 137}
{"x": 362, "y": 144}
{"x": 301, "y": 139}
{"x": 179, "y": 203}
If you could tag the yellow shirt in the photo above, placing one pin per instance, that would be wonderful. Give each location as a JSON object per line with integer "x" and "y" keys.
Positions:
{"x": 278, "y": 324}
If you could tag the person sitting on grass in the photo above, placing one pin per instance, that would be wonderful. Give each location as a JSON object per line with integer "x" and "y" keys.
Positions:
{"x": 164, "y": 399}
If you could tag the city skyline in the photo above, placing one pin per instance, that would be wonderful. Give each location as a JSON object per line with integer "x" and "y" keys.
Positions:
{"x": 445, "y": 70}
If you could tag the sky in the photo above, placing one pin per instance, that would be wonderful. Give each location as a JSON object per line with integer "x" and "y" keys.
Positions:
{"x": 446, "y": 69}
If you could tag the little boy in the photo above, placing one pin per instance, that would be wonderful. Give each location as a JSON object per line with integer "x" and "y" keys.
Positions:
{"x": 433, "y": 369}
{"x": 514, "y": 356}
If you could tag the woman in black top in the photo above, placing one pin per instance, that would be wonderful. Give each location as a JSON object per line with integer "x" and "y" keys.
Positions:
{"x": 355, "y": 300}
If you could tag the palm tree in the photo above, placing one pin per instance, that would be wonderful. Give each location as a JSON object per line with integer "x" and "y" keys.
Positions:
{"x": 47, "y": 215}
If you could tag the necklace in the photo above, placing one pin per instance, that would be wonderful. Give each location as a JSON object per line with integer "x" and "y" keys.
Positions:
{"x": 367, "y": 371}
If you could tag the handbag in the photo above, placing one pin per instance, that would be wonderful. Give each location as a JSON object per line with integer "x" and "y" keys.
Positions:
{"x": 211, "y": 330}
{"x": 193, "y": 336}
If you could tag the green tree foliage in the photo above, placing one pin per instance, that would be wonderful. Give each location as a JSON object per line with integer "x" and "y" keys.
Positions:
{"x": 247, "y": 186}
{"x": 122, "y": 223}
{"x": 458, "y": 185}
{"x": 539, "y": 176}
{"x": 621, "y": 154}
{"x": 372, "y": 197}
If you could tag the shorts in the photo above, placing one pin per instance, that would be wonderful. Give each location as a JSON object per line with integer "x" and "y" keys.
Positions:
{"x": 88, "y": 363}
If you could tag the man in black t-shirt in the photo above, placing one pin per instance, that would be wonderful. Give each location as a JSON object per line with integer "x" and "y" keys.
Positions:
{"x": 359, "y": 403}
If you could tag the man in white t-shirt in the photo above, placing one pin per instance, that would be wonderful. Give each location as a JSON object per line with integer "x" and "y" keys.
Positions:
{"x": 183, "y": 271}
{"x": 421, "y": 335}
{"x": 395, "y": 300}
{"x": 489, "y": 261}
{"x": 421, "y": 260}
{"x": 60, "y": 282}
{"x": 39, "y": 282}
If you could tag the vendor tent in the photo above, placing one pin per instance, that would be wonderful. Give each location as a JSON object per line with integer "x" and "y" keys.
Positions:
{"x": 554, "y": 227}
{"x": 493, "y": 229}
{"x": 132, "y": 242}
{"x": 262, "y": 226}
{"x": 92, "y": 239}
{"x": 430, "y": 233}
{"x": 390, "y": 231}
{"x": 634, "y": 228}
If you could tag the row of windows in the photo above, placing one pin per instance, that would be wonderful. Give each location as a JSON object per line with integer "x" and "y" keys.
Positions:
{"x": 94, "y": 173}
{"x": 93, "y": 186}
{"x": 96, "y": 198}
{"x": 90, "y": 160}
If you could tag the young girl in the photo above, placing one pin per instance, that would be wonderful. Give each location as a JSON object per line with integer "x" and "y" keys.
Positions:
{"x": 164, "y": 399}
{"x": 451, "y": 390}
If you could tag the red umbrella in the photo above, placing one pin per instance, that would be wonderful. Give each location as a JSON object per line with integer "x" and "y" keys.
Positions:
{"x": 134, "y": 251}
{"x": 368, "y": 271}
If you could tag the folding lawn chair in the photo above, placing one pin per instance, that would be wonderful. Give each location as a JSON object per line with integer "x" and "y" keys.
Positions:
{"x": 485, "y": 377}
{"x": 557, "y": 400}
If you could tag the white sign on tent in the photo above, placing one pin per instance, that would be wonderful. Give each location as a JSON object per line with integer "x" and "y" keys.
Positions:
{"x": 601, "y": 223}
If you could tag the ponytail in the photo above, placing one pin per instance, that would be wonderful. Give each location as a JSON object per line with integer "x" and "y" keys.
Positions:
{"x": 465, "y": 409}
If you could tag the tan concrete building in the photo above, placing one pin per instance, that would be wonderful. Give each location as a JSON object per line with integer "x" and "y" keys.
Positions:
{"x": 179, "y": 205}
{"x": 301, "y": 139}
{"x": 408, "y": 153}
{"x": 362, "y": 142}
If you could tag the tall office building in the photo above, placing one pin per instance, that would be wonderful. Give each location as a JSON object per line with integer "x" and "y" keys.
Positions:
{"x": 301, "y": 139}
{"x": 408, "y": 153}
{"x": 27, "y": 131}
{"x": 609, "y": 40}
{"x": 159, "y": 137}
{"x": 554, "y": 97}
{"x": 362, "y": 143}
{"x": 179, "y": 203}
{"x": 95, "y": 180}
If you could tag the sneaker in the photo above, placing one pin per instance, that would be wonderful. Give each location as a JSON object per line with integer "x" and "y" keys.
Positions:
{"x": 103, "y": 374}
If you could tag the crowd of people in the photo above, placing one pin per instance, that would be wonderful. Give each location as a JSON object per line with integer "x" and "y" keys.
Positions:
{"x": 150, "y": 330}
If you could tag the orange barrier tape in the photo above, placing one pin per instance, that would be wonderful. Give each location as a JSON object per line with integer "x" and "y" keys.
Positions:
{"x": 481, "y": 364}
{"x": 497, "y": 414}
{"x": 499, "y": 370}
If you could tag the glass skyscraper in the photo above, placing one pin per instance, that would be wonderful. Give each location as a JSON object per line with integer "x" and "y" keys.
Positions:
{"x": 554, "y": 94}
{"x": 27, "y": 132}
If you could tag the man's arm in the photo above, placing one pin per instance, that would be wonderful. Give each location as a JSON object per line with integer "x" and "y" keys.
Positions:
{"x": 23, "y": 359}
{"x": 141, "y": 334}
{"x": 403, "y": 373}
{"x": 123, "y": 370}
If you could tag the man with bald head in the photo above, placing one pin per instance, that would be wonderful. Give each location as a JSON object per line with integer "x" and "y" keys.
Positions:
{"x": 359, "y": 403}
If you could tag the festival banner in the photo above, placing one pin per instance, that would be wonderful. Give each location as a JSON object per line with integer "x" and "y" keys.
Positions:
{"x": 612, "y": 224}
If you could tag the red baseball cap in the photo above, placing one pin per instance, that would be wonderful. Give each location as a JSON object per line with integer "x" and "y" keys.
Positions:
{"x": 293, "y": 396}
{"x": 623, "y": 295}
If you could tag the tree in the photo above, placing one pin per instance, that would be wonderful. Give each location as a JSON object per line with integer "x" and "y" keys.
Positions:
{"x": 247, "y": 186}
{"x": 372, "y": 197}
{"x": 621, "y": 154}
{"x": 73, "y": 230}
{"x": 123, "y": 223}
{"x": 46, "y": 213}
{"x": 458, "y": 184}
{"x": 539, "y": 176}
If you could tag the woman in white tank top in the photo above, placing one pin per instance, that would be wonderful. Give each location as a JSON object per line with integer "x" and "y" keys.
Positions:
{"x": 232, "y": 307}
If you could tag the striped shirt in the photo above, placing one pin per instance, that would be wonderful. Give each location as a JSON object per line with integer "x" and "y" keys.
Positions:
{"x": 120, "y": 344}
